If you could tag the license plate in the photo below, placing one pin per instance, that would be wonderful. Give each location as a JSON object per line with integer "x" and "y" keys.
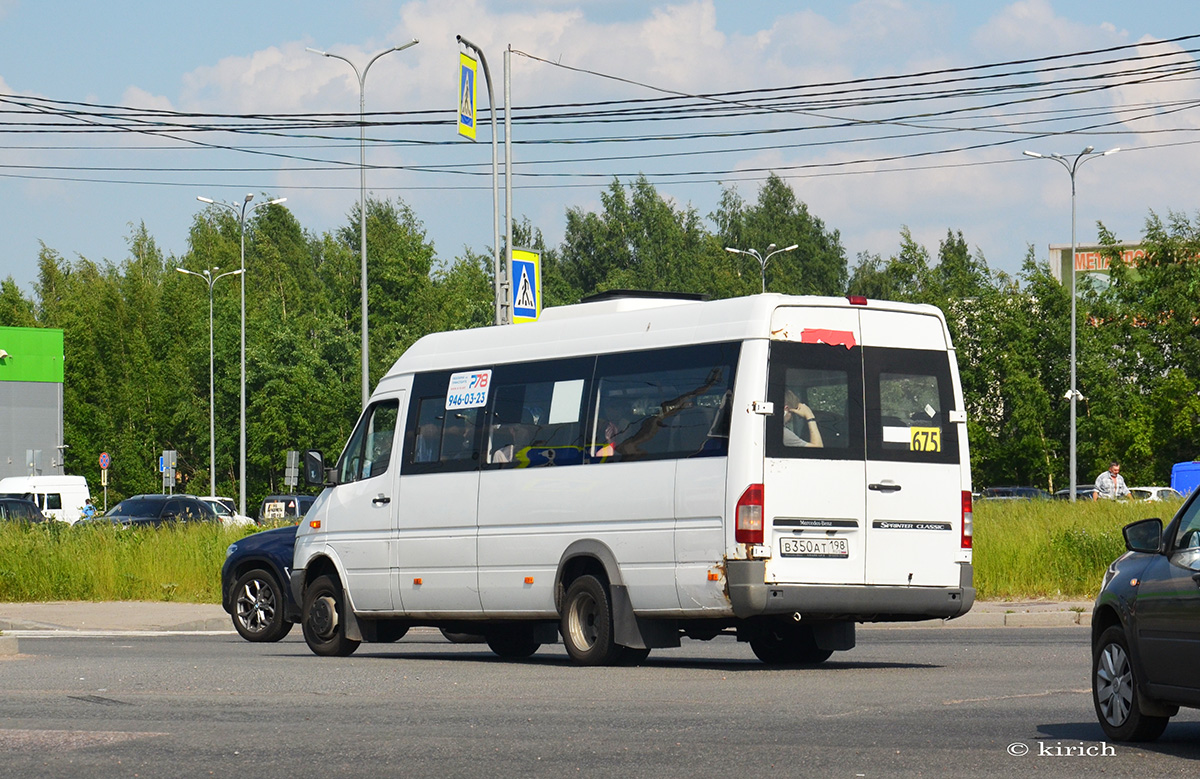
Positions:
{"x": 814, "y": 547}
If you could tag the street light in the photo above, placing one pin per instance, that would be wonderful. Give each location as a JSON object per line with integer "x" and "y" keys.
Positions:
{"x": 207, "y": 277}
{"x": 362, "y": 194}
{"x": 241, "y": 212}
{"x": 1071, "y": 166}
{"x": 762, "y": 261}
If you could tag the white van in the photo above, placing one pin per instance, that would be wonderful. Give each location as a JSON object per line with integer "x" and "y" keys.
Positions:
{"x": 59, "y": 497}
{"x": 629, "y": 471}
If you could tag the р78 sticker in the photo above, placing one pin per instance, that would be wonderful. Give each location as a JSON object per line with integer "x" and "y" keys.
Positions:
{"x": 468, "y": 390}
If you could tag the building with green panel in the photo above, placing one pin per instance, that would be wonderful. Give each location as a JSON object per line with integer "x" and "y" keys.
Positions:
{"x": 31, "y": 401}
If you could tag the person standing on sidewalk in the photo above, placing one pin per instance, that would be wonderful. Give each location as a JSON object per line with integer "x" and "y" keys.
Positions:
{"x": 1111, "y": 484}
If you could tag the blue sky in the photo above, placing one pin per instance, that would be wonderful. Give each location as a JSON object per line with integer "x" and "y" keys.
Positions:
{"x": 222, "y": 57}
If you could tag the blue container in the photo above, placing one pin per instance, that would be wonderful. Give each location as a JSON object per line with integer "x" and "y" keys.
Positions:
{"x": 1185, "y": 477}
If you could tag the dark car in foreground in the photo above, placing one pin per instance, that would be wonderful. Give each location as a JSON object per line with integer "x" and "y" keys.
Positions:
{"x": 1146, "y": 627}
{"x": 156, "y": 510}
{"x": 254, "y": 583}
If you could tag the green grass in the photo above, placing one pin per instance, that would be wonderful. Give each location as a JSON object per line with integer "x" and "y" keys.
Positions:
{"x": 1051, "y": 549}
{"x": 99, "y": 562}
{"x": 1023, "y": 550}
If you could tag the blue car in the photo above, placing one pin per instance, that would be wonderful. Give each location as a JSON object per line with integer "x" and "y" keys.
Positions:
{"x": 254, "y": 582}
{"x": 1146, "y": 627}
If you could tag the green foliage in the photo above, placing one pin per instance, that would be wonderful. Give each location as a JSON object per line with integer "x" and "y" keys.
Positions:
{"x": 816, "y": 267}
{"x": 136, "y": 332}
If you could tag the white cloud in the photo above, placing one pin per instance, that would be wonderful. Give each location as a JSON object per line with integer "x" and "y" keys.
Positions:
{"x": 1032, "y": 26}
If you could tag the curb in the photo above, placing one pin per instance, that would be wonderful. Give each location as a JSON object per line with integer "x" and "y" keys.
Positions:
{"x": 997, "y": 619}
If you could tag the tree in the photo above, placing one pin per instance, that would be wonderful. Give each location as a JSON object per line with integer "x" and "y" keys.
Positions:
{"x": 16, "y": 310}
{"x": 816, "y": 267}
{"x": 640, "y": 241}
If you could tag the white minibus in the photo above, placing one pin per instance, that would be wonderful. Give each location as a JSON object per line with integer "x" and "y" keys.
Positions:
{"x": 640, "y": 468}
{"x": 59, "y": 497}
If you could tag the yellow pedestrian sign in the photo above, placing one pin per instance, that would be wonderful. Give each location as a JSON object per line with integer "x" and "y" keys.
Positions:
{"x": 466, "y": 96}
{"x": 527, "y": 286}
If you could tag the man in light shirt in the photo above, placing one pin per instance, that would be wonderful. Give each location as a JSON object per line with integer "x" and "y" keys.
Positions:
{"x": 1111, "y": 484}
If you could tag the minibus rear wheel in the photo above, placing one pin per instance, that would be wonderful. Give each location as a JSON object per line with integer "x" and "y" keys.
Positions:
{"x": 587, "y": 623}
{"x": 324, "y": 620}
{"x": 783, "y": 642}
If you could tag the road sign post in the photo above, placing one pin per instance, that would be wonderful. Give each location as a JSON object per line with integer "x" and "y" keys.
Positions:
{"x": 467, "y": 93}
{"x": 105, "y": 461}
{"x": 291, "y": 475}
{"x": 527, "y": 285}
{"x": 166, "y": 464}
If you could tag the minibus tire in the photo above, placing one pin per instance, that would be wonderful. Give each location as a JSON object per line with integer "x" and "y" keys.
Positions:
{"x": 513, "y": 645}
{"x": 785, "y": 643}
{"x": 587, "y": 623}
{"x": 323, "y": 619}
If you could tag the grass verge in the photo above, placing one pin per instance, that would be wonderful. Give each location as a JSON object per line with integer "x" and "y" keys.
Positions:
{"x": 1023, "y": 550}
{"x": 1051, "y": 548}
{"x": 99, "y": 562}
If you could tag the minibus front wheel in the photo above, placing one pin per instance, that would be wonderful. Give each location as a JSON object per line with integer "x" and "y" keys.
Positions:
{"x": 324, "y": 619}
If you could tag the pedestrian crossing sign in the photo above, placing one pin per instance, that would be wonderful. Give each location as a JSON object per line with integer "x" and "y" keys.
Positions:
{"x": 526, "y": 286}
{"x": 466, "y": 96}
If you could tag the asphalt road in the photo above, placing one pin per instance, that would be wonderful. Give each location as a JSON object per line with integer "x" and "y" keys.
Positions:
{"x": 905, "y": 702}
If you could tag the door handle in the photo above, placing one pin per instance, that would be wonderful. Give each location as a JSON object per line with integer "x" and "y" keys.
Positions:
{"x": 381, "y": 499}
{"x": 884, "y": 487}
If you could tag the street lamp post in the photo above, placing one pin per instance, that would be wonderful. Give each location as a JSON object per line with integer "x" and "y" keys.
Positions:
{"x": 1072, "y": 166}
{"x": 762, "y": 261}
{"x": 241, "y": 212}
{"x": 362, "y": 194}
{"x": 207, "y": 277}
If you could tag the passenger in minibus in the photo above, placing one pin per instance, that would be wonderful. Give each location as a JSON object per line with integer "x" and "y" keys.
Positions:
{"x": 427, "y": 443}
{"x": 799, "y": 423}
{"x": 612, "y": 425}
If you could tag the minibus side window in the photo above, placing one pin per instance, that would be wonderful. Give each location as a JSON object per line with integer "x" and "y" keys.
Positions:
{"x": 662, "y": 404}
{"x": 440, "y": 440}
{"x": 370, "y": 449}
{"x": 537, "y": 413}
{"x": 53, "y": 501}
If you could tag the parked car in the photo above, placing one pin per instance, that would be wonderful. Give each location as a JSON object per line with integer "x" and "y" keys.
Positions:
{"x": 275, "y": 507}
{"x": 156, "y": 510}
{"x": 1144, "y": 628}
{"x": 1154, "y": 493}
{"x": 226, "y": 510}
{"x": 20, "y": 510}
{"x": 254, "y": 585}
{"x": 1014, "y": 493}
{"x": 1081, "y": 493}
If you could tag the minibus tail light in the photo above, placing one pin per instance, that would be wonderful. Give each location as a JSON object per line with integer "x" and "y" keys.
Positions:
{"x": 749, "y": 523}
{"x": 968, "y": 520}
{"x": 857, "y": 300}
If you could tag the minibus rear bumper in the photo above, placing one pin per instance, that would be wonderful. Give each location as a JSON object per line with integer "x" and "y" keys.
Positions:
{"x": 751, "y": 596}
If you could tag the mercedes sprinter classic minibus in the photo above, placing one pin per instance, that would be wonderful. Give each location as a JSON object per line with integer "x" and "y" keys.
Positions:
{"x": 629, "y": 472}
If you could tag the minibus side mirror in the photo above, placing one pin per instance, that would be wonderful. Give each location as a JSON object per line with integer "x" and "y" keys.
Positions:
{"x": 1144, "y": 536}
{"x": 315, "y": 473}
